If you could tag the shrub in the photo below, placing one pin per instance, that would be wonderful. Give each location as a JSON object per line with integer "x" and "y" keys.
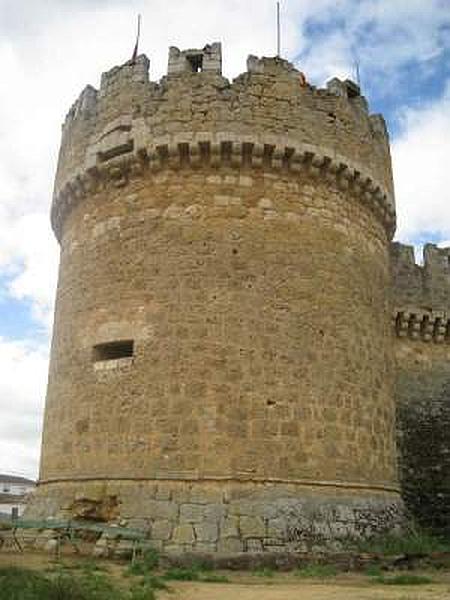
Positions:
{"x": 180, "y": 574}
{"x": 318, "y": 571}
{"x": 414, "y": 542}
{"x": 25, "y": 584}
{"x": 265, "y": 572}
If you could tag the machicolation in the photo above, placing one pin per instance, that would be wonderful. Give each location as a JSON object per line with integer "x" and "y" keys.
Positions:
{"x": 234, "y": 329}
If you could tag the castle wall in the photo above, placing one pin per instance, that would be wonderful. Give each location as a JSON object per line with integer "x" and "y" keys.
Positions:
{"x": 230, "y": 232}
{"x": 421, "y": 315}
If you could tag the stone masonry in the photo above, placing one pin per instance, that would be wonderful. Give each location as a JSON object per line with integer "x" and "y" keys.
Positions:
{"x": 421, "y": 318}
{"x": 222, "y": 370}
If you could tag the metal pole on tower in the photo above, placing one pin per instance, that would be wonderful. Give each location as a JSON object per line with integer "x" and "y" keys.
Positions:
{"x": 278, "y": 30}
{"x": 136, "y": 47}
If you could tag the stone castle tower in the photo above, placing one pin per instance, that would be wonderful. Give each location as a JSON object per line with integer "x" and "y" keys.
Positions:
{"x": 222, "y": 361}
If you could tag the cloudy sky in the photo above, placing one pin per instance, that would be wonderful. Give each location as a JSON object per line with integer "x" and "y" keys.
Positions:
{"x": 50, "y": 49}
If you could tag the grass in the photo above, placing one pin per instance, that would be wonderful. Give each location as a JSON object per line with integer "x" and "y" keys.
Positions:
{"x": 404, "y": 579}
{"x": 194, "y": 573}
{"x": 373, "y": 571}
{"x": 26, "y": 584}
{"x": 265, "y": 572}
{"x": 215, "y": 578}
{"x": 148, "y": 562}
{"x": 182, "y": 574}
{"x": 415, "y": 542}
{"x": 85, "y": 584}
{"x": 317, "y": 571}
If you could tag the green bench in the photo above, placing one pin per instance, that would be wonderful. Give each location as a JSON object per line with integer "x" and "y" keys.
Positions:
{"x": 66, "y": 532}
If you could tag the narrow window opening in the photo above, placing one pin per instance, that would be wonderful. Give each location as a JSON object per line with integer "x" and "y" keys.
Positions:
{"x": 113, "y": 350}
{"x": 196, "y": 62}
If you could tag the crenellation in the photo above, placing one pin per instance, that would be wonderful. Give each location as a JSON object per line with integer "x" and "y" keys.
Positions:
{"x": 176, "y": 103}
{"x": 121, "y": 77}
{"x": 205, "y": 60}
{"x": 421, "y": 293}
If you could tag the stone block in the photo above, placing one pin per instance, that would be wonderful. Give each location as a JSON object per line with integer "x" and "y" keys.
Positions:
{"x": 163, "y": 493}
{"x": 230, "y": 546}
{"x": 254, "y": 546}
{"x": 183, "y": 534}
{"x": 205, "y": 547}
{"x": 161, "y": 530}
{"x": 192, "y": 513}
{"x": 229, "y": 527}
{"x": 175, "y": 549}
{"x": 161, "y": 509}
{"x": 206, "y": 495}
{"x": 277, "y": 528}
{"x": 252, "y": 527}
{"x": 206, "y": 532}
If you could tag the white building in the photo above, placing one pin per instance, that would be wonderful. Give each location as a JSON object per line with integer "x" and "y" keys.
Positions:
{"x": 14, "y": 493}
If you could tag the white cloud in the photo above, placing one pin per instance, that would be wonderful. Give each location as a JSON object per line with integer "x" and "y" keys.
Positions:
{"x": 22, "y": 388}
{"x": 383, "y": 36}
{"x": 421, "y": 170}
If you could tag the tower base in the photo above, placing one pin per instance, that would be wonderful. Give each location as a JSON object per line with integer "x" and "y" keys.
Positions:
{"x": 227, "y": 517}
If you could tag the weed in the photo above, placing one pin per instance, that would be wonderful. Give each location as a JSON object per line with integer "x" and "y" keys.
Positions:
{"x": 25, "y": 584}
{"x": 148, "y": 562}
{"x": 142, "y": 593}
{"x": 180, "y": 574}
{"x": 213, "y": 578}
{"x": 414, "y": 542}
{"x": 265, "y": 572}
{"x": 151, "y": 558}
{"x": 404, "y": 579}
{"x": 373, "y": 571}
{"x": 156, "y": 583}
{"x": 318, "y": 571}
{"x": 90, "y": 566}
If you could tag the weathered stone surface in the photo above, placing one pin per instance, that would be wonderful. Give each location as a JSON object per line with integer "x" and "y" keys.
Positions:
{"x": 229, "y": 527}
{"x": 206, "y": 532}
{"x": 230, "y": 546}
{"x": 183, "y": 534}
{"x": 161, "y": 530}
{"x": 50, "y": 545}
{"x": 161, "y": 509}
{"x": 252, "y": 527}
{"x": 193, "y": 513}
{"x": 253, "y": 546}
{"x": 205, "y": 547}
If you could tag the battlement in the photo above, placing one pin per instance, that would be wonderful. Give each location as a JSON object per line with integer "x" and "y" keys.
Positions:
{"x": 421, "y": 293}
{"x": 206, "y": 60}
{"x": 268, "y": 117}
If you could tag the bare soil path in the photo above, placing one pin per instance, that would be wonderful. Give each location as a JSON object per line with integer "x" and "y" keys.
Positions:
{"x": 282, "y": 586}
{"x": 358, "y": 589}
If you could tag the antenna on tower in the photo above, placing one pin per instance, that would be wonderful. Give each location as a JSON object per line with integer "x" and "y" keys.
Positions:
{"x": 136, "y": 47}
{"x": 278, "y": 30}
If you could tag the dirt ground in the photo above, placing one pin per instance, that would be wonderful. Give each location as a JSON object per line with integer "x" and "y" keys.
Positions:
{"x": 355, "y": 588}
{"x": 281, "y": 586}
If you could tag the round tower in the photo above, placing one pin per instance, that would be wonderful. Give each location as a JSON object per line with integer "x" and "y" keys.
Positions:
{"x": 221, "y": 360}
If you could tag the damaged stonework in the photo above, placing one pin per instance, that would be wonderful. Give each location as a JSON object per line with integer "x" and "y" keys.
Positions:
{"x": 105, "y": 509}
{"x": 230, "y": 519}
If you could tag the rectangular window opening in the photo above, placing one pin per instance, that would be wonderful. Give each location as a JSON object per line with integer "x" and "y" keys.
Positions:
{"x": 196, "y": 62}
{"x": 113, "y": 350}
